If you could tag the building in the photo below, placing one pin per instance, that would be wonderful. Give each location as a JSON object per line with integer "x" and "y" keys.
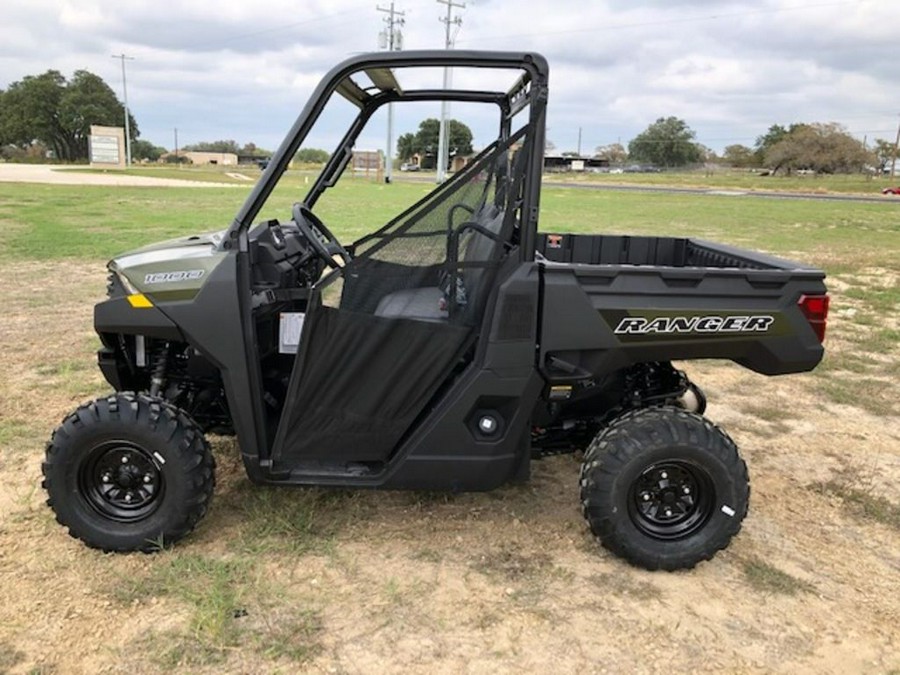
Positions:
{"x": 216, "y": 158}
{"x": 567, "y": 163}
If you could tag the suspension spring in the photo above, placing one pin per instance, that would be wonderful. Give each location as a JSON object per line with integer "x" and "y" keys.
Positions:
{"x": 160, "y": 366}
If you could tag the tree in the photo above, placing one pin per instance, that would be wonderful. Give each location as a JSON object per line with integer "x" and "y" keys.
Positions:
{"x": 615, "y": 153}
{"x": 425, "y": 141}
{"x": 739, "y": 156}
{"x": 312, "y": 156}
{"x": 405, "y": 146}
{"x": 30, "y": 109}
{"x": 214, "y": 146}
{"x": 765, "y": 142}
{"x": 668, "y": 142}
{"x": 146, "y": 150}
{"x": 707, "y": 155}
{"x": 884, "y": 153}
{"x": 819, "y": 147}
{"x": 88, "y": 100}
{"x": 4, "y": 139}
{"x": 59, "y": 113}
{"x": 253, "y": 150}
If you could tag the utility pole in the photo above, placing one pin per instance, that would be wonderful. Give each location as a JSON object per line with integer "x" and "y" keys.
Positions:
{"x": 124, "y": 58}
{"x": 392, "y": 40}
{"x": 177, "y": 162}
{"x": 443, "y": 144}
{"x": 894, "y": 158}
{"x": 579, "y": 142}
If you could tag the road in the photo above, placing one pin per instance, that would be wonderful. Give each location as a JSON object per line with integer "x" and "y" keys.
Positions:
{"x": 57, "y": 175}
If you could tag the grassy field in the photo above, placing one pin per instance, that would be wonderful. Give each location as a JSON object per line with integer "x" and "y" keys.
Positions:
{"x": 43, "y": 221}
{"x": 283, "y": 580}
{"x": 734, "y": 179}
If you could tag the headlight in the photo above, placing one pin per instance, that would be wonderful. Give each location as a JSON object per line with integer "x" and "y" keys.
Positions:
{"x": 118, "y": 281}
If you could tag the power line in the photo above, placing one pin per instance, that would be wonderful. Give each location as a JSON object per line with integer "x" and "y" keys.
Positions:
{"x": 443, "y": 145}
{"x": 274, "y": 29}
{"x": 124, "y": 58}
{"x": 894, "y": 158}
{"x": 393, "y": 41}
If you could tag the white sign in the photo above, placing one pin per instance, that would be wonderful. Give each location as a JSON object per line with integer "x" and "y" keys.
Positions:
{"x": 290, "y": 328}
{"x": 105, "y": 150}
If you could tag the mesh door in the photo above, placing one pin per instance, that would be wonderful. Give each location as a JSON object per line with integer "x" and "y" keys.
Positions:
{"x": 405, "y": 315}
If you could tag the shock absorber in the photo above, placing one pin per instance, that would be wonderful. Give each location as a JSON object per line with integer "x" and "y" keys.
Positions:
{"x": 160, "y": 365}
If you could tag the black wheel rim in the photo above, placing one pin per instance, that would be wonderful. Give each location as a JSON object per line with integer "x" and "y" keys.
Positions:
{"x": 122, "y": 481}
{"x": 671, "y": 499}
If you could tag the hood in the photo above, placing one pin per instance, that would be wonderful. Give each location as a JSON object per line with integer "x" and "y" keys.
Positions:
{"x": 170, "y": 270}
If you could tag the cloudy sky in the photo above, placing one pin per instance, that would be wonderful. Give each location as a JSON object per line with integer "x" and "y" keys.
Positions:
{"x": 239, "y": 69}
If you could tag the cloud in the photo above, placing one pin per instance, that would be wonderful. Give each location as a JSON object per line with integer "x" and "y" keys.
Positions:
{"x": 243, "y": 70}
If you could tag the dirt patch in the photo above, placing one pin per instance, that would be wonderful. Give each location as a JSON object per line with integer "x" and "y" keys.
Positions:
{"x": 505, "y": 581}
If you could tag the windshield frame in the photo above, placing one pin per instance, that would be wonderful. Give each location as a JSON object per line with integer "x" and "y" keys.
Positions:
{"x": 530, "y": 89}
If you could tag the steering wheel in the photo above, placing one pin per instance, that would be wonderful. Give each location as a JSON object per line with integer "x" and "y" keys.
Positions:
{"x": 324, "y": 243}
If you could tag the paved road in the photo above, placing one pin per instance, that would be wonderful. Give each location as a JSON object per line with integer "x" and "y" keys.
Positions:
{"x": 48, "y": 173}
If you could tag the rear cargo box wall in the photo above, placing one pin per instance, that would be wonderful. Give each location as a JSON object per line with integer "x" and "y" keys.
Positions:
{"x": 613, "y": 250}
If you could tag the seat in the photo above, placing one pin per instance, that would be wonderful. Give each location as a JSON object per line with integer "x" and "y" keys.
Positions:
{"x": 422, "y": 304}
{"x": 428, "y": 303}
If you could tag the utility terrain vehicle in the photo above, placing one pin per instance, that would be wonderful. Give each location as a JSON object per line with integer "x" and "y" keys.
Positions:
{"x": 444, "y": 350}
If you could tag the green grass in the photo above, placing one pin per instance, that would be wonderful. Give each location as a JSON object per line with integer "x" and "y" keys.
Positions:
{"x": 738, "y": 180}
{"x": 289, "y": 521}
{"x": 44, "y": 222}
{"x": 839, "y": 235}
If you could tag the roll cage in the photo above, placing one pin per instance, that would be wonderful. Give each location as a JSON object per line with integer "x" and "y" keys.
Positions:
{"x": 528, "y": 91}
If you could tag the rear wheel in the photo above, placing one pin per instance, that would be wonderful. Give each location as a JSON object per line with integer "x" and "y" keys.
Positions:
{"x": 128, "y": 473}
{"x": 664, "y": 488}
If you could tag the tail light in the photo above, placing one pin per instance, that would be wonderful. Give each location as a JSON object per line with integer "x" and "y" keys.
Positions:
{"x": 815, "y": 309}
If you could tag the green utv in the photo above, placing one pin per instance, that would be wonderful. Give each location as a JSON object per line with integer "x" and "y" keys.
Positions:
{"x": 444, "y": 350}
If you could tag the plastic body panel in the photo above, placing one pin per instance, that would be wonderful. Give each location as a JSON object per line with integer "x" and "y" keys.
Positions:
{"x": 445, "y": 449}
{"x": 585, "y": 304}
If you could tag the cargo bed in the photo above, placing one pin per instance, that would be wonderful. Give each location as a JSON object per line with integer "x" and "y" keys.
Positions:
{"x": 610, "y": 301}
{"x": 603, "y": 249}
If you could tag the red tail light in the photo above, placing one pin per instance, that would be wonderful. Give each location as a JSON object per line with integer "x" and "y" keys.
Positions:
{"x": 815, "y": 309}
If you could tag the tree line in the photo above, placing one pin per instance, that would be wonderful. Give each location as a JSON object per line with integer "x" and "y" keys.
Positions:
{"x": 56, "y": 113}
{"x": 820, "y": 147}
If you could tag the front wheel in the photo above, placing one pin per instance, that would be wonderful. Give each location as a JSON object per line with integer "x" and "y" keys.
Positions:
{"x": 128, "y": 473}
{"x": 664, "y": 488}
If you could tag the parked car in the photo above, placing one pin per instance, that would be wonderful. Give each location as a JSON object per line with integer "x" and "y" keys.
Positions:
{"x": 409, "y": 167}
{"x": 891, "y": 191}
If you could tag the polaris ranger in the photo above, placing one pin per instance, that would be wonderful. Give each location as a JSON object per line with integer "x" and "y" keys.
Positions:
{"x": 444, "y": 350}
